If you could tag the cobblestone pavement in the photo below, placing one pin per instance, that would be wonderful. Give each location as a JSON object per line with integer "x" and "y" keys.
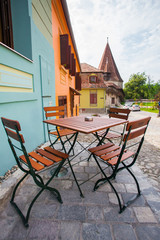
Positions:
{"x": 94, "y": 217}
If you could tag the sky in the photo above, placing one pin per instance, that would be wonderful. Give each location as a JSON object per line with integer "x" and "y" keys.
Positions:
{"x": 132, "y": 28}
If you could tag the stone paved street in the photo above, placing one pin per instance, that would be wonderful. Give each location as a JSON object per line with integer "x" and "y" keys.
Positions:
{"x": 94, "y": 217}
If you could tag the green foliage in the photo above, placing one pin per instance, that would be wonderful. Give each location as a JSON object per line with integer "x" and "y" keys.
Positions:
{"x": 138, "y": 88}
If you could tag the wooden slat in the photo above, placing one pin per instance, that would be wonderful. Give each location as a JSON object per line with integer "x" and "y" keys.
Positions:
{"x": 135, "y": 133}
{"x": 11, "y": 123}
{"x": 54, "y": 108}
{"x": 56, "y": 152}
{"x": 14, "y": 135}
{"x": 138, "y": 123}
{"x": 94, "y": 149}
{"x": 54, "y": 114}
{"x": 34, "y": 164}
{"x": 120, "y": 110}
{"x": 114, "y": 115}
{"x": 49, "y": 155}
{"x": 41, "y": 159}
{"x": 106, "y": 150}
{"x": 111, "y": 155}
{"x": 126, "y": 155}
{"x": 63, "y": 132}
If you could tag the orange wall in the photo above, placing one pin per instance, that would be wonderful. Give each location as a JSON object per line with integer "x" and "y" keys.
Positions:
{"x": 59, "y": 26}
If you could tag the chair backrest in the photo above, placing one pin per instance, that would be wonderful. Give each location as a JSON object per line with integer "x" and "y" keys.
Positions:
{"x": 54, "y": 111}
{"x": 119, "y": 113}
{"x": 16, "y": 141}
{"x": 136, "y": 128}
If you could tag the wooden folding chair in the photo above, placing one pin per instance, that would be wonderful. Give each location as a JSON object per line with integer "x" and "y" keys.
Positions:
{"x": 59, "y": 111}
{"x": 116, "y": 113}
{"x": 32, "y": 164}
{"x": 116, "y": 156}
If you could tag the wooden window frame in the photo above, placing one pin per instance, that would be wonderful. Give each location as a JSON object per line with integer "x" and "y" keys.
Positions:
{"x": 93, "y": 98}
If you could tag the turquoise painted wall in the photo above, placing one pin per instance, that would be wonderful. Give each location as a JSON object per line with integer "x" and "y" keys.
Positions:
{"x": 27, "y": 107}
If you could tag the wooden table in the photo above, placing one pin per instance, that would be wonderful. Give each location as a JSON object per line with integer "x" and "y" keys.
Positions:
{"x": 79, "y": 124}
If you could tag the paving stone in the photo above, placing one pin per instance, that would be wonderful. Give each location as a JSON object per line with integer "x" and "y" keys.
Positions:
{"x": 148, "y": 232}
{"x": 99, "y": 198}
{"x": 139, "y": 202}
{"x": 144, "y": 215}
{"x": 43, "y": 229}
{"x": 73, "y": 212}
{"x": 119, "y": 187}
{"x": 112, "y": 215}
{"x": 19, "y": 231}
{"x": 123, "y": 231}
{"x": 70, "y": 196}
{"x": 131, "y": 188}
{"x": 6, "y": 227}
{"x": 113, "y": 198}
{"x": 92, "y": 169}
{"x": 46, "y": 211}
{"x": 70, "y": 231}
{"x": 96, "y": 232}
{"x": 94, "y": 213}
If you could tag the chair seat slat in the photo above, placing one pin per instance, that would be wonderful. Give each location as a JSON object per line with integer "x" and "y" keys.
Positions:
{"x": 49, "y": 155}
{"x": 41, "y": 159}
{"x": 94, "y": 149}
{"x": 34, "y": 164}
{"x": 111, "y": 155}
{"x": 56, "y": 152}
{"x": 125, "y": 156}
{"x": 106, "y": 151}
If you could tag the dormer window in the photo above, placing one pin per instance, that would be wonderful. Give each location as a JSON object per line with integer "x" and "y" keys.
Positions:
{"x": 93, "y": 78}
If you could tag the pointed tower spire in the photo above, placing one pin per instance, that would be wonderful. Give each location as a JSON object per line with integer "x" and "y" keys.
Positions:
{"x": 107, "y": 64}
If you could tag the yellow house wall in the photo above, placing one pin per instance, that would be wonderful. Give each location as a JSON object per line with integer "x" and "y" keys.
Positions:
{"x": 85, "y": 98}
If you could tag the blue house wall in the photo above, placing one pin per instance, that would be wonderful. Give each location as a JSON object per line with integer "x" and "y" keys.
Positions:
{"x": 33, "y": 55}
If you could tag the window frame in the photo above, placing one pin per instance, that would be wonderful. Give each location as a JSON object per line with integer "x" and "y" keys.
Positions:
{"x": 93, "y": 98}
{"x": 91, "y": 76}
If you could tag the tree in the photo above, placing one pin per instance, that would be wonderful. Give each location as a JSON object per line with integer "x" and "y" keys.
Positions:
{"x": 136, "y": 87}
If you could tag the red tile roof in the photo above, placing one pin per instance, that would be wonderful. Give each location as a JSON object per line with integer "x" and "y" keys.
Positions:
{"x": 107, "y": 64}
{"x": 88, "y": 68}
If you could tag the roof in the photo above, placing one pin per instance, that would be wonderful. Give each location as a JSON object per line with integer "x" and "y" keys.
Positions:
{"x": 88, "y": 68}
{"x": 107, "y": 64}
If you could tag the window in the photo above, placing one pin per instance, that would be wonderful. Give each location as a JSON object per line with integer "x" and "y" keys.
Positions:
{"x": 107, "y": 76}
{"x": 62, "y": 101}
{"x": 92, "y": 78}
{"x": 93, "y": 97}
{"x": 6, "y": 33}
{"x": 113, "y": 100}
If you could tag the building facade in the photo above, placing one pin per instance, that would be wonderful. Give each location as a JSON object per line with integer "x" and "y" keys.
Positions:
{"x": 102, "y": 87}
{"x": 29, "y": 67}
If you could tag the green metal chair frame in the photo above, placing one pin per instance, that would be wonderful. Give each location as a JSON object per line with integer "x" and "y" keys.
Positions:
{"x": 32, "y": 164}
{"x": 115, "y": 156}
{"x": 59, "y": 111}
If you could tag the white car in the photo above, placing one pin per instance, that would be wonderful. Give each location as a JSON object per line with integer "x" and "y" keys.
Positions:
{"x": 135, "y": 108}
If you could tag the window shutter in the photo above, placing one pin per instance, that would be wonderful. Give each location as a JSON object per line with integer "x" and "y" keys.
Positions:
{"x": 65, "y": 51}
{"x": 78, "y": 81}
{"x": 72, "y": 70}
